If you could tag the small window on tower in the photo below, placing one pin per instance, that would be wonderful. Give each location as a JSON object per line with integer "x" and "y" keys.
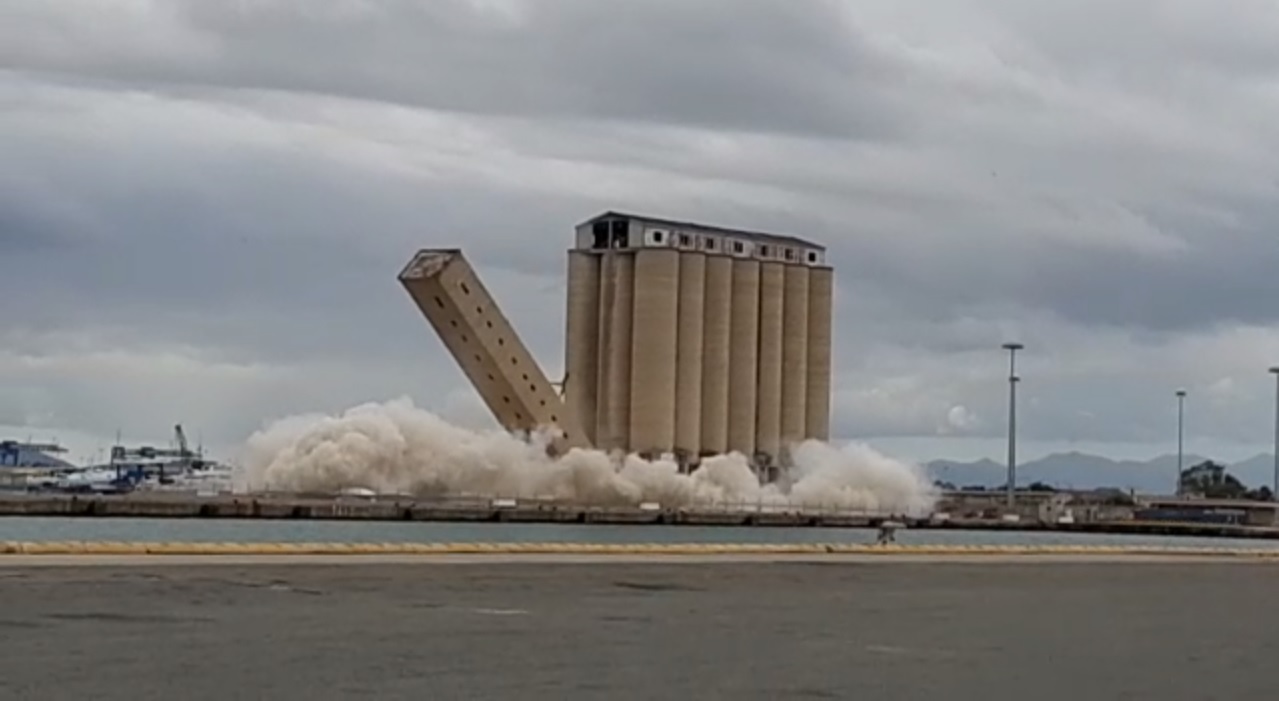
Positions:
{"x": 618, "y": 233}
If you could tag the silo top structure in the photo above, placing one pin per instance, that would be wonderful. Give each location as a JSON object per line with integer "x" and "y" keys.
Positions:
{"x": 620, "y": 231}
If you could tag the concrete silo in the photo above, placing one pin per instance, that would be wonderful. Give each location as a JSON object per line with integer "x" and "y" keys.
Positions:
{"x": 691, "y": 349}
{"x": 743, "y": 357}
{"x": 482, "y": 341}
{"x": 654, "y": 351}
{"x": 768, "y": 384}
{"x": 821, "y": 294}
{"x": 617, "y": 363}
{"x": 680, "y": 338}
{"x": 717, "y": 318}
{"x": 582, "y": 338}
{"x": 795, "y": 357}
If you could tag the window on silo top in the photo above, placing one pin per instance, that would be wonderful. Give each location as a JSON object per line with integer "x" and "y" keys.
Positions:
{"x": 599, "y": 234}
{"x": 617, "y": 234}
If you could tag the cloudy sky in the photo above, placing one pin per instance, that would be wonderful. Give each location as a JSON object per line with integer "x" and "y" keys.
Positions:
{"x": 203, "y": 205}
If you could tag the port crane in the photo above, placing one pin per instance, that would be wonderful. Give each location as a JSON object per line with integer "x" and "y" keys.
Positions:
{"x": 182, "y": 454}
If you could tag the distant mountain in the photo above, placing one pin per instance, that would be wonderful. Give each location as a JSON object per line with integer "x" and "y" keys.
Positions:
{"x": 1084, "y": 471}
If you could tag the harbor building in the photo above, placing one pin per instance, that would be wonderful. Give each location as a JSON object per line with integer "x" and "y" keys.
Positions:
{"x": 681, "y": 339}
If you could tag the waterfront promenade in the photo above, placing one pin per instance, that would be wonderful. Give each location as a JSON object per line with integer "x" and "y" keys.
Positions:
{"x": 596, "y": 628}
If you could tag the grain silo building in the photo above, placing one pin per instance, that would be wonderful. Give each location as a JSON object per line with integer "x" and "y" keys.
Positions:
{"x": 697, "y": 340}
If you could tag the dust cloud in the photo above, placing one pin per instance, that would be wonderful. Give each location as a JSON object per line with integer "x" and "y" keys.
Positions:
{"x": 397, "y": 448}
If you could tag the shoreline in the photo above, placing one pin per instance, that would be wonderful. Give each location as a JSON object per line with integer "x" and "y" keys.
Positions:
{"x": 281, "y": 508}
{"x": 76, "y": 552}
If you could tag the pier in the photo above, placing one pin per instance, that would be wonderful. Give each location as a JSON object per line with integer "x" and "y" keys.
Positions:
{"x": 302, "y": 507}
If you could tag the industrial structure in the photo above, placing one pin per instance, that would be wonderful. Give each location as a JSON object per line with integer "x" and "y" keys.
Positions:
{"x": 682, "y": 339}
{"x": 27, "y": 454}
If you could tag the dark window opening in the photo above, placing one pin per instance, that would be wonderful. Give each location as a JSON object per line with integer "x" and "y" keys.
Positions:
{"x": 506, "y": 400}
{"x": 532, "y": 387}
{"x": 491, "y": 378}
{"x": 763, "y": 251}
{"x": 478, "y": 359}
{"x": 812, "y": 257}
{"x": 526, "y": 378}
{"x": 618, "y": 233}
{"x": 453, "y": 322}
{"x": 554, "y": 417}
{"x": 657, "y": 237}
{"x": 519, "y": 416}
{"x": 543, "y": 402}
{"x": 599, "y": 234}
{"x": 465, "y": 290}
{"x": 479, "y": 310}
{"x": 464, "y": 338}
{"x": 439, "y": 302}
{"x": 684, "y": 239}
{"x": 501, "y": 341}
{"x": 710, "y": 244}
{"x": 738, "y": 247}
{"x": 514, "y": 361}
{"x": 490, "y": 324}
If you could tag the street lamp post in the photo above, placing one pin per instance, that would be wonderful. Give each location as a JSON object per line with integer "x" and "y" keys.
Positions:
{"x": 1181, "y": 430}
{"x": 1012, "y": 349}
{"x": 1274, "y": 489}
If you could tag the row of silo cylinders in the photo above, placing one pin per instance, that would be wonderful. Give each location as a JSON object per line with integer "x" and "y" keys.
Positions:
{"x": 673, "y": 351}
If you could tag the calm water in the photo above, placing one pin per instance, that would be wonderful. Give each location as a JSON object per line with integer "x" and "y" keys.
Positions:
{"x": 121, "y": 529}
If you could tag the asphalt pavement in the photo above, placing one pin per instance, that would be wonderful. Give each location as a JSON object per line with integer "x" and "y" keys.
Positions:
{"x": 662, "y": 630}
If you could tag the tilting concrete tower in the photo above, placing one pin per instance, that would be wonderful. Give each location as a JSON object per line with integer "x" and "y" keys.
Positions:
{"x": 697, "y": 340}
{"x": 483, "y": 342}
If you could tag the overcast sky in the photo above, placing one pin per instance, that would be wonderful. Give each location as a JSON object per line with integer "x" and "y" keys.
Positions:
{"x": 203, "y": 205}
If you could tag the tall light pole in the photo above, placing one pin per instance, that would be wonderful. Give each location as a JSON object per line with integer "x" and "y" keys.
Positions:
{"x": 1012, "y": 349}
{"x": 1274, "y": 490}
{"x": 1181, "y": 432}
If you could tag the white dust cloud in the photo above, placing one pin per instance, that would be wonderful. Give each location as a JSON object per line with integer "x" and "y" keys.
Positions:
{"x": 397, "y": 448}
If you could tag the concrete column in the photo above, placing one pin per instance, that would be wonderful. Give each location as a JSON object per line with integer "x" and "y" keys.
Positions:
{"x": 688, "y": 378}
{"x": 654, "y": 351}
{"x": 795, "y": 358}
{"x": 715, "y": 354}
{"x": 743, "y": 357}
{"x": 768, "y": 407}
{"x": 821, "y": 301}
{"x": 581, "y": 342}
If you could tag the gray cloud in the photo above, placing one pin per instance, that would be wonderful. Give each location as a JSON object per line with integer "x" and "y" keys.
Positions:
{"x": 224, "y": 192}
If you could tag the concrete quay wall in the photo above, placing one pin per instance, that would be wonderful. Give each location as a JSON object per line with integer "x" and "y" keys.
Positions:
{"x": 499, "y": 511}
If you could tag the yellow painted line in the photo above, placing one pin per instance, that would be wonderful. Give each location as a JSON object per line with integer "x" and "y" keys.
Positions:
{"x": 426, "y": 549}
